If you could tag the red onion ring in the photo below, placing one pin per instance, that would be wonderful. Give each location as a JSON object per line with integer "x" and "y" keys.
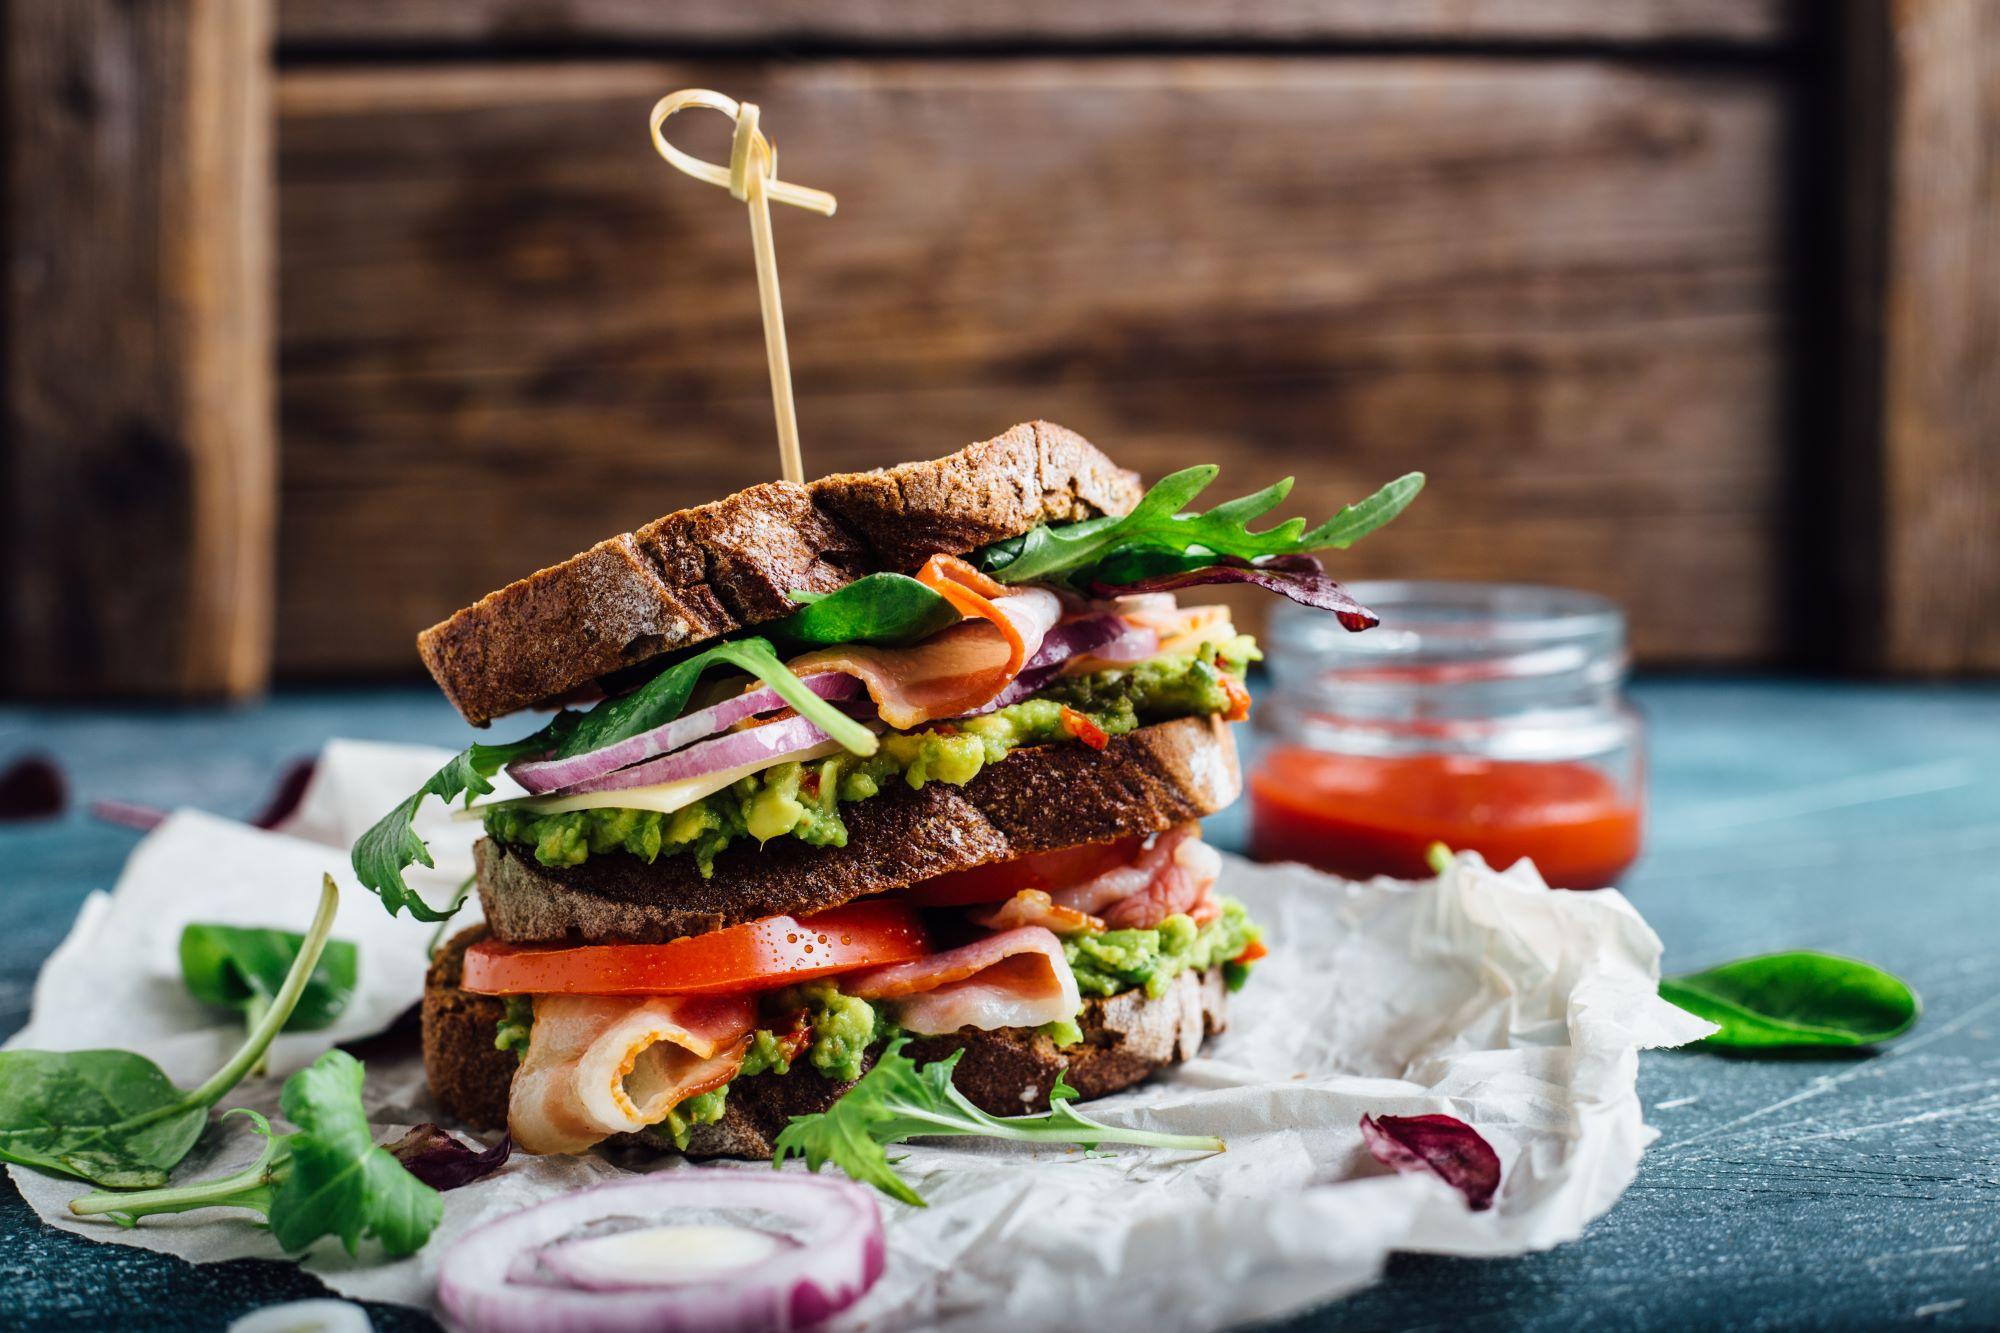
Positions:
{"x": 1104, "y": 637}
{"x": 772, "y": 743}
{"x": 834, "y": 1253}
{"x": 548, "y": 775}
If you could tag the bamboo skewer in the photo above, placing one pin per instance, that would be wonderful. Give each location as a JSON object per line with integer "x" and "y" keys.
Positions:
{"x": 752, "y": 176}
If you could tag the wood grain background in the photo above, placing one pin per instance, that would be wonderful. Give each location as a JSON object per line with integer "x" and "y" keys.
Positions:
{"x": 1691, "y": 302}
{"x": 506, "y": 329}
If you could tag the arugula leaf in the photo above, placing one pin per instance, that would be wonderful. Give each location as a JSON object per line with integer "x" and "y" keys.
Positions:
{"x": 1800, "y": 998}
{"x": 1073, "y": 553}
{"x": 897, "y": 1100}
{"x": 390, "y": 847}
{"x": 888, "y": 609}
{"x": 112, "y": 1117}
{"x": 328, "y": 1178}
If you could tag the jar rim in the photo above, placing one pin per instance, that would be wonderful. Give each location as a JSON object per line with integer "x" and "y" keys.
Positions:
{"x": 1510, "y": 616}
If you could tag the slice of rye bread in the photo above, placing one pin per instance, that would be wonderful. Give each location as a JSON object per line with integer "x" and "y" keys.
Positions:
{"x": 703, "y": 572}
{"x": 1035, "y": 800}
{"x": 1006, "y": 1072}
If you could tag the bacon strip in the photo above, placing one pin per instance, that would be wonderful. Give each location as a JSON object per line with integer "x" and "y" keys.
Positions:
{"x": 600, "y": 1065}
{"x": 1033, "y": 907}
{"x": 1172, "y": 873}
{"x": 951, "y": 672}
{"x": 1017, "y": 978}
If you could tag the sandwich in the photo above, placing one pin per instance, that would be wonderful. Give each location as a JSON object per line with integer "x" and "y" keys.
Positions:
{"x": 916, "y": 754}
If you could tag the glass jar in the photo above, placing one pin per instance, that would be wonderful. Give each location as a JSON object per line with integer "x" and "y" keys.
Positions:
{"x": 1487, "y": 717}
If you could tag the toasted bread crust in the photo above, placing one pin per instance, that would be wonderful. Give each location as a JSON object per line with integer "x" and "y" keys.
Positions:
{"x": 719, "y": 567}
{"x": 1145, "y": 781}
{"x": 1007, "y": 1072}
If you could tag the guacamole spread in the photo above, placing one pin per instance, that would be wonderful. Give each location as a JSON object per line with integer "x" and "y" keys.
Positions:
{"x": 1111, "y": 961}
{"x": 803, "y": 800}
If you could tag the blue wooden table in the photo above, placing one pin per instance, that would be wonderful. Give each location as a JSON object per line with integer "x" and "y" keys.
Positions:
{"x": 1858, "y": 1191}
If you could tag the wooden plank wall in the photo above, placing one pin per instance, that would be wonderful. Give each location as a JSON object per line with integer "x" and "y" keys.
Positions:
{"x": 1554, "y": 282}
{"x": 139, "y": 471}
{"x": 1921, "y": 396}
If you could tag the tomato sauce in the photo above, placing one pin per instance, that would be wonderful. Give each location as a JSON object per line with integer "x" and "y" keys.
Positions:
{"x": 1360, "y": 815}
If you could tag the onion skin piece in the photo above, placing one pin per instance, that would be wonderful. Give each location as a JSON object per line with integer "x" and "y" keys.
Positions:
{"x": 1442, "y": 1145}
{"x": 839, "y": 1254}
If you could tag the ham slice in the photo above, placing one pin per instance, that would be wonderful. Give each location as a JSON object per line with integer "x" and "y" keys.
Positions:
{"x": 950, "y": 673}
{"x": 1017, "y": 978}
{"x": 599, "y": 1065}
{"x": 1173, "y": 873}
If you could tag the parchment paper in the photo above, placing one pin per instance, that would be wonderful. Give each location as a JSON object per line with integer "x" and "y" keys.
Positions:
{"x": 1484, "y": 995}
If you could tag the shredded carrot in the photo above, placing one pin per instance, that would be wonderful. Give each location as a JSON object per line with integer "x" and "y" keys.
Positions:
{"x": 972, "y": 593}
{"x": 1251, "y": 952}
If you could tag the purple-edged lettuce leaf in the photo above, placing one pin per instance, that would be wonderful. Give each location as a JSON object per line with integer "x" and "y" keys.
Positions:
{"x": 1300, "y": 577}
{"x": 442, "y": 1162}
{"x": 1443, "y": 1145}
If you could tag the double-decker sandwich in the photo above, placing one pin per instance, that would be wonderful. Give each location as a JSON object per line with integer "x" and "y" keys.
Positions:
{"x": 917, "y": 751}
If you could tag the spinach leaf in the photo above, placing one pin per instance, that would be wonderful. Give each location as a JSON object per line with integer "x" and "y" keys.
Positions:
{"x": 1800, "y": 998}
{"x": 108, "y": 1116}
{"x": 1071, "y": 552}
{"x": 888, "y": 609}
{"x": 112, "y": 1117}
{"x": 244, "y": 967}
{"x": 329, "y": 1178}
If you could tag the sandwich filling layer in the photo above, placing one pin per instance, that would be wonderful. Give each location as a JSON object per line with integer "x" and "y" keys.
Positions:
{"x": 596, "y": 1065}
{"x": 803, "y": 799}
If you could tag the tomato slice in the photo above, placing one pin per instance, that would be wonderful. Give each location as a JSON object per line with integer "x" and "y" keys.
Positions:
{"x": 998, "y": 881}
{"x": 758, "y": 955}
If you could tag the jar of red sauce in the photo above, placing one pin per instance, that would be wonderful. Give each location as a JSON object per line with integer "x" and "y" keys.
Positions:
{"x": 1487, "y": 717}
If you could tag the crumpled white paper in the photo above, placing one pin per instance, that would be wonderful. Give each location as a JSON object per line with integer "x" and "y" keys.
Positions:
{"x": 1482, "y": 995}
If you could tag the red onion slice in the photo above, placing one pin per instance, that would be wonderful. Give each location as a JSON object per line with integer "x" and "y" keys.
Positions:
{"x": 559, "y": 1266}
{"x": 772, "y": 743}
{"x": 1104, "y": 637}
{"x": 548, "y": 775}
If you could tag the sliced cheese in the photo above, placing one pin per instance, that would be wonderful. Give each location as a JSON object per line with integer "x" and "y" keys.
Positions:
{"x": 665, "y": 797}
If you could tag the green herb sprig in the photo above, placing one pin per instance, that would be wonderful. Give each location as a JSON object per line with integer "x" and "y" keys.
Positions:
{"x": 898, "y": 1100}
{"x": 1800, "y": 999}
{"x": 328, "y": 1178}
{"x": 113, "y": 1117}
{"x": 1158, "y": 532}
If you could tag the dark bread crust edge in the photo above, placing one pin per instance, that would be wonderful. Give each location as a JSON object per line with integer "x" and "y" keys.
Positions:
{"x": 1127, "y": 1038}
{"x": 706, "y": 571}
{"x": 1035, "y": 800}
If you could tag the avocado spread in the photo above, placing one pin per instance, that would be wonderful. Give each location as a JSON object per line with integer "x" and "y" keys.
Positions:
{"x": 1111, "y": 961}
{"x": 804, "y": 800}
